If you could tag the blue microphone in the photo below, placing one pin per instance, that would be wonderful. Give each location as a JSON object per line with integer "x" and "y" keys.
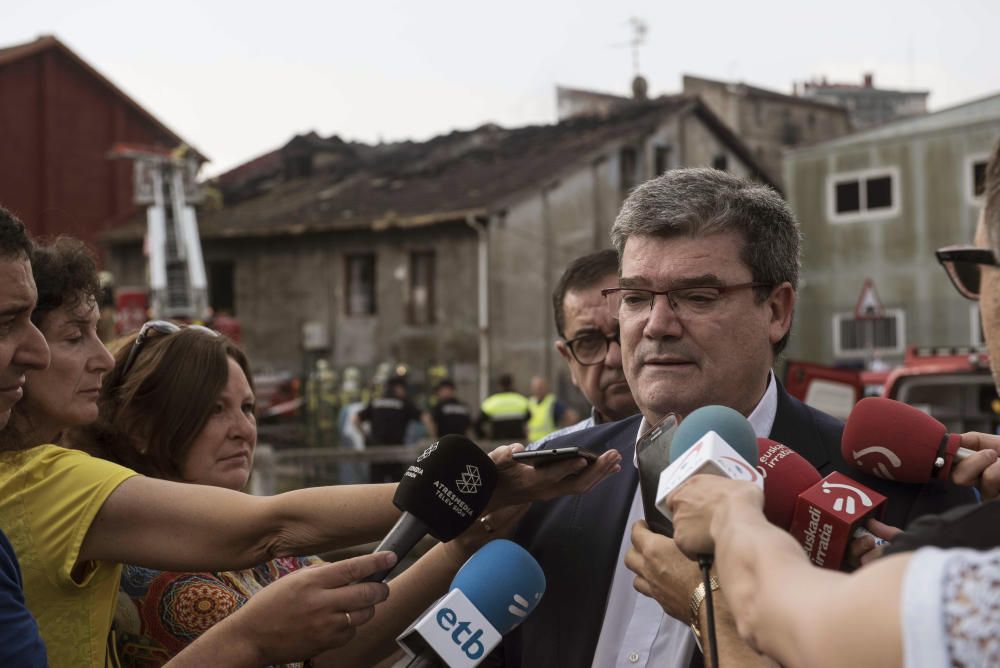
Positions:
{"x": 491, "y": 594}
{"x": 730, "y": 425}
{"x": 713, "y": 440}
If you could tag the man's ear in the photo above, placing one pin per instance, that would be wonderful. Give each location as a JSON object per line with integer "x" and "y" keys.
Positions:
{"x": 780, "y": 305}
{"x": 568, "y": 356}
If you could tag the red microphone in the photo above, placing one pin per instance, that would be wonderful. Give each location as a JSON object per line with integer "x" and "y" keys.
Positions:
{"x": 829, "y": 514}
{"x": 786, "y": 475}
{"x": 894, "y": 441}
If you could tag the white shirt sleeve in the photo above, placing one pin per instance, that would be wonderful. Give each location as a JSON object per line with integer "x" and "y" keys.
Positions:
{"x": 951, "y": 608}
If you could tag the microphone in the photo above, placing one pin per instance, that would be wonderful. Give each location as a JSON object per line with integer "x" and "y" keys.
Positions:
{"x": 491, "y": 594}
{"x": 715, "y": 440}
{"x": 829, "y": 514}
{"x": 894, "y": 441}
{"x": 786, "y": 475}
{"x": 441, "y": 494}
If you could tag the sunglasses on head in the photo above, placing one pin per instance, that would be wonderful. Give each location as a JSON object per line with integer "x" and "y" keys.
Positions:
{"x": 163, "y": 327}
{"x": 963, "y": 266}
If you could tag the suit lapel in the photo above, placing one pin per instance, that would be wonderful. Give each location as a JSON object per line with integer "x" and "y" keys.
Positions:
{"x": 795, "y": 428}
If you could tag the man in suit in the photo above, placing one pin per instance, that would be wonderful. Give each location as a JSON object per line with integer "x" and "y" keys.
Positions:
{"x": 707, "y": 286}
{"x": 588, "y": 341}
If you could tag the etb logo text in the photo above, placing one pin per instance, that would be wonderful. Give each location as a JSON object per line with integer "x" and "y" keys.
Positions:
{"x": 461, "y": 633}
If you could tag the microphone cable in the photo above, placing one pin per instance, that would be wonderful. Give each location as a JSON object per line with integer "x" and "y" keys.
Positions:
{"x": 705, "y": 561}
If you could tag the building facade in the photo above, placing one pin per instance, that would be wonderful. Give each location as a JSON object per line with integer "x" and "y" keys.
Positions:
{"x": 875, "y": 206}
{"x": 59, "y": 120}
{"x": 769, "y": 122}
{"x": 382, "y": 262}
{"x": 869, "y": 106}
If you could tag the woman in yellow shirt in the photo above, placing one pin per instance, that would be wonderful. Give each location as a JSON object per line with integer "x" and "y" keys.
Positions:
{"x": 73, "y": 519}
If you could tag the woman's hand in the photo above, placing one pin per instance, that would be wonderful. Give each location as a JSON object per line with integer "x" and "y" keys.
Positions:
{"x": 695, "y": 504}
{"x": 521, "y": 483}
{"x": 297, "y": 616}
{"x": 981, "y": 469}
{"x": 499, "y": 523}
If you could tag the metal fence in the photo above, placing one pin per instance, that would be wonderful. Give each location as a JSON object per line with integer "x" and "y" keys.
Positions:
{"x": 282, "y": 469}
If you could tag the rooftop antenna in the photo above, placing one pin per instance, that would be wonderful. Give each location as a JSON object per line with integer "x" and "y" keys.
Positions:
{"x": 639, "y": 30}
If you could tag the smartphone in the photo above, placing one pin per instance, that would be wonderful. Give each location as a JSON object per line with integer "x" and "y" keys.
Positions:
{"x": 543, "y": 457}
{"x": 652, "y": 456}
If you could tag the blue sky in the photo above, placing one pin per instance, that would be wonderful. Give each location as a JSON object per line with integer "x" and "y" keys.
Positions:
{"x": 240, "y": 78}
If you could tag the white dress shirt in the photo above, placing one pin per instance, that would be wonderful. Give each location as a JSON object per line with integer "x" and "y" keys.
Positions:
{"x": 636, "y": 632}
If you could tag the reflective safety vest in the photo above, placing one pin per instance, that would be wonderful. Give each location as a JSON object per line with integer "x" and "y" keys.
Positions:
{"x": 542, "y": 422}
{"x": 505, "y": 406}
{"x": 507, "y": 414}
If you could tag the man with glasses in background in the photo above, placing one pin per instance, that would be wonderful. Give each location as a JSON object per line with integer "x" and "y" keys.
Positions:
{"x": 708, "y": 272}
{"x": 589, "y": 341}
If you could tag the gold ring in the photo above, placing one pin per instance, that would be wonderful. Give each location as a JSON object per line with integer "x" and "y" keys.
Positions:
{"x": 349, "y": 624}
{"x": 486, "y": 524}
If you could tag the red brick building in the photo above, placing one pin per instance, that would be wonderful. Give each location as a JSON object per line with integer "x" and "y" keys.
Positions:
{"x": 59, "y": 118}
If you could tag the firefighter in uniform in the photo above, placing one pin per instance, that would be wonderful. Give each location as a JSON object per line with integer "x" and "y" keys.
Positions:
{"x": 503, "y": 415}
{"x": 388, "y": 417}
{"x": 449, "y": 415}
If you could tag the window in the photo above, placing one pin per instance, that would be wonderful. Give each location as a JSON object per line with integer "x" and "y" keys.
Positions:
{"x": 975, "y": 178}
{"x": 857, "y": 338}
{"x": 720, "y": 162}
{"x": 221, "y": 287}
{"x": 420, "y": 303}
{"x": 628, "y": 165}
{"x": 866, "y": 195}
{"x": 360, "y": 284}
{"x": 661, "y": 159}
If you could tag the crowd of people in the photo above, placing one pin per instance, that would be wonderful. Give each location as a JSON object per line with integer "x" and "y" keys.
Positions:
{"x": 126, "y": 538}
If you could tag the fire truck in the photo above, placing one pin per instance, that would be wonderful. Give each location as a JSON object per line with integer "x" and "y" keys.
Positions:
{"x": 952, "y": 384}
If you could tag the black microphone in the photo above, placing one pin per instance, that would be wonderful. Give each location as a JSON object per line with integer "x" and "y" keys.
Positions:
{"x": 441, "y": 494}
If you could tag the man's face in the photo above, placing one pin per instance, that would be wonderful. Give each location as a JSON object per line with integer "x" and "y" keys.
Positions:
{"x": 22, "y": 346}
{"x": 675, "y": 365}
{"x": 586, "y": 314}
{"x": 989, "y": 302}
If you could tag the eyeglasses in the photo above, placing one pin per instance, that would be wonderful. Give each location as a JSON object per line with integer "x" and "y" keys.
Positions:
{"x": 690, "y": 303}
{"x": 159, "y": 327}
{"x": 591, "y": 348}
{"x": 962, "y": 265}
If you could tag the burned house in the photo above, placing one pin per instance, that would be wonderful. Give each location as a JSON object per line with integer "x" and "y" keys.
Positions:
{"x": 440, "y": 252}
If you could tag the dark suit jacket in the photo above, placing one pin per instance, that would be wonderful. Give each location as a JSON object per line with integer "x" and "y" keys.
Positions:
{"x": 576, "y": 539}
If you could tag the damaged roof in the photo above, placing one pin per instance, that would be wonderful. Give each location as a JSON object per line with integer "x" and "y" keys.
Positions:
{"x": 450, "y": 177}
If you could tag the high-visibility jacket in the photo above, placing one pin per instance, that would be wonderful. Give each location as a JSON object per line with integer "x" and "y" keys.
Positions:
{"x": 542, "y": 422}
{"x": 506, "y": 413}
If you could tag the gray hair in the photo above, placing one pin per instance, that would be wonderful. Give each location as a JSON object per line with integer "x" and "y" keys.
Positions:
{"x": 699, "y": 202}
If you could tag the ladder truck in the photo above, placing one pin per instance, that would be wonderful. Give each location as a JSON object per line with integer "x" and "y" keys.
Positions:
{"x": 165, "y": 182}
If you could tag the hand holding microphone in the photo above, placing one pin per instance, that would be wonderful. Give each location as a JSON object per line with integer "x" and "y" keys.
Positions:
{"x": 696, "y": 504}
{"x": 441, "y": 494}
{"x": 981, "y": 468}
{"x": 895, "y": 441}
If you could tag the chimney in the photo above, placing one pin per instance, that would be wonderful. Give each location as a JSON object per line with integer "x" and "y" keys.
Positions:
{"x": 640, "y": 88}
{"x": 869, "y": 79}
